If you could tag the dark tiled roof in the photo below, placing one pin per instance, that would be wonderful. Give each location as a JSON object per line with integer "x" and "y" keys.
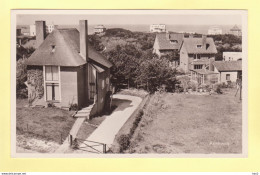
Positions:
{"x": 207, "y": 47}
{"x": 164, "y": 40}
{"x": 228, "y": 65}
{"x": 66, "y": 52}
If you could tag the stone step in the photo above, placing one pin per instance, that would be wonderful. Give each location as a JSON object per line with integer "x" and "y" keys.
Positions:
{"x": 79, "y": 115}
{"x": 84, "y": 111}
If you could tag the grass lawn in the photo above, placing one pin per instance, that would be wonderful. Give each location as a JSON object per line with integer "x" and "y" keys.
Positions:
{"x": 47, "y": 125}
{"x": 184, "y": 123}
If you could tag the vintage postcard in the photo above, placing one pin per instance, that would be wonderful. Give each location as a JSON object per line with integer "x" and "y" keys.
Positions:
{"x": 129, "y": 83}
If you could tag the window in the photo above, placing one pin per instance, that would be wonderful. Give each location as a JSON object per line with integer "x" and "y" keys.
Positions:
{"x": 51, "y": 73}
{"x": 52, "y": 87}
{"x": 103, "y": 84}
{"x": 173, "y": 41}
{"x": 199, "y": 46}
{"x": 199, "y": 66}
{"x": 195, "y": 56}
{"x": 228, "y": 77}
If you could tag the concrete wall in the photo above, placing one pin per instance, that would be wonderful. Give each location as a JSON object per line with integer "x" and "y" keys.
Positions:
{"x": 68, "y": 83}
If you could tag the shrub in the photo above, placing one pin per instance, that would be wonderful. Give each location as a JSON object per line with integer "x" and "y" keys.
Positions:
{"x": 35, "y": 79}
{"x": 73, "y": 107}
{"x": 51, "y": 105}
{"x": 124, "y": 142}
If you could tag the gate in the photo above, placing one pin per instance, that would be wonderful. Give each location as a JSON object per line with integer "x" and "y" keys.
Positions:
{"x": 88, "y": 145}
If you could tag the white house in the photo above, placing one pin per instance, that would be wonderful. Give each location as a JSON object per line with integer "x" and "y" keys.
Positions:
{"x": 32, "y": 30}
{"x": 99, "y": 29}
{"x": 157, "y": 28}
{"x": 232, "y": 56}
{"x": 228, "y": 71}
{"x": 48, "y": 27}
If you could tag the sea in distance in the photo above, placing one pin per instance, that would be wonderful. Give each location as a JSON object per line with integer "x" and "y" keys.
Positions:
{"x": 201, "y": 29}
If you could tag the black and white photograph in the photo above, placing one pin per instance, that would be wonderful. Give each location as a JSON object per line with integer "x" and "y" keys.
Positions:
{"x": 129, "y": 83}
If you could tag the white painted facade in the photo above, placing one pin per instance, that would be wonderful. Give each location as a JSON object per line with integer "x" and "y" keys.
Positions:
{"x": 157, "y": 28}
{"x": 99, "y": 29}
{"x": 49, "y": 29}
{"x": 224, "y": 77}
{"x": 32, "y": 30}
{"x": 232, "y": 56}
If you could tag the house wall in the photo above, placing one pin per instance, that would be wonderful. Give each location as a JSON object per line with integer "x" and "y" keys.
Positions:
{"x": 187, "y": 59}
{"x": 81, "y": 86}
{"x": 68, "y": 83}
{"x": 156, "y": 47}
{"x": 103, "y": 88}
{"x": 184, "y": 59}
{"x": 233, "y": 76}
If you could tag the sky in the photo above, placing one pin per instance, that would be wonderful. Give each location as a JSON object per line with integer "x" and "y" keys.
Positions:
{"x": 121, "y": 19}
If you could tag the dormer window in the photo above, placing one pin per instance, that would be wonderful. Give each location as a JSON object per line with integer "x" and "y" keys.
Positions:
{"x": 173, "y": 41}
{"x": 52, "y": 48}
{"x": 199, "y": 46}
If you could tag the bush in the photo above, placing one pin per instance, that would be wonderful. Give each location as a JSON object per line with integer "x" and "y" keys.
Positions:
{"x": 73, "y": 107}
{"x": 51, "y": 105}
{"x": 21, "y": 78}
{"x": 124, "y": 142}
{"x": 218, "y": 90}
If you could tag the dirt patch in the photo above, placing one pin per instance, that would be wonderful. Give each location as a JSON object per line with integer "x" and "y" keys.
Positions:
{"x": 25, "y": 144}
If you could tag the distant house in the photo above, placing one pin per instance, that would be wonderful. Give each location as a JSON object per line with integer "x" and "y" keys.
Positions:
{"x": 235, "y": 31}
{"x": 48, "y": 27}
{"x": 232, "y": 56}
{"x": 168, "y": 43}
{"x": 215, "y": 30}
{"x": 25, "y": 31}
{"x": 157, "y": 28}
{"x": 197, "y": 53}
{"x": 65, "y": 70}
{"x": 228, "y": 71}
{"x": 196, "y": 57}
{"x": 99, "y": 29}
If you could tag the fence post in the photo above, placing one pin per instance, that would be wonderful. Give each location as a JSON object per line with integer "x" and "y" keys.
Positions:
{"x": 104, "y": 148}
{"x": 70, "y": 140}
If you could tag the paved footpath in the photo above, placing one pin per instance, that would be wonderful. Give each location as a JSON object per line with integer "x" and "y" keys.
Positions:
{"x": 108, "y": 129}
{"x": 74, "y": 130}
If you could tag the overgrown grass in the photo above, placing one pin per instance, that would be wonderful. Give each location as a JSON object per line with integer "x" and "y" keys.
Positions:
{"x": 49, "y": 124}
{"x": 183, "y": 123}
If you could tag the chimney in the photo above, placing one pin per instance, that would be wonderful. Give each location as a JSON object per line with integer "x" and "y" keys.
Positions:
{"x": 204, "y": 37}
{"x": 40, "y": 32}
{"x": 168, "y": 36}
{"x": 83, "y": 30}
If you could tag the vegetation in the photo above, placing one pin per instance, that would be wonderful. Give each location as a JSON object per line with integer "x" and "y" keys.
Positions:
{"x": 227, "y": 43}
{"x": 134, "y": 63}
{"x": 48, "y": 124}
{"x": 202, "y": 124}
{"x": 21, "y": 72}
